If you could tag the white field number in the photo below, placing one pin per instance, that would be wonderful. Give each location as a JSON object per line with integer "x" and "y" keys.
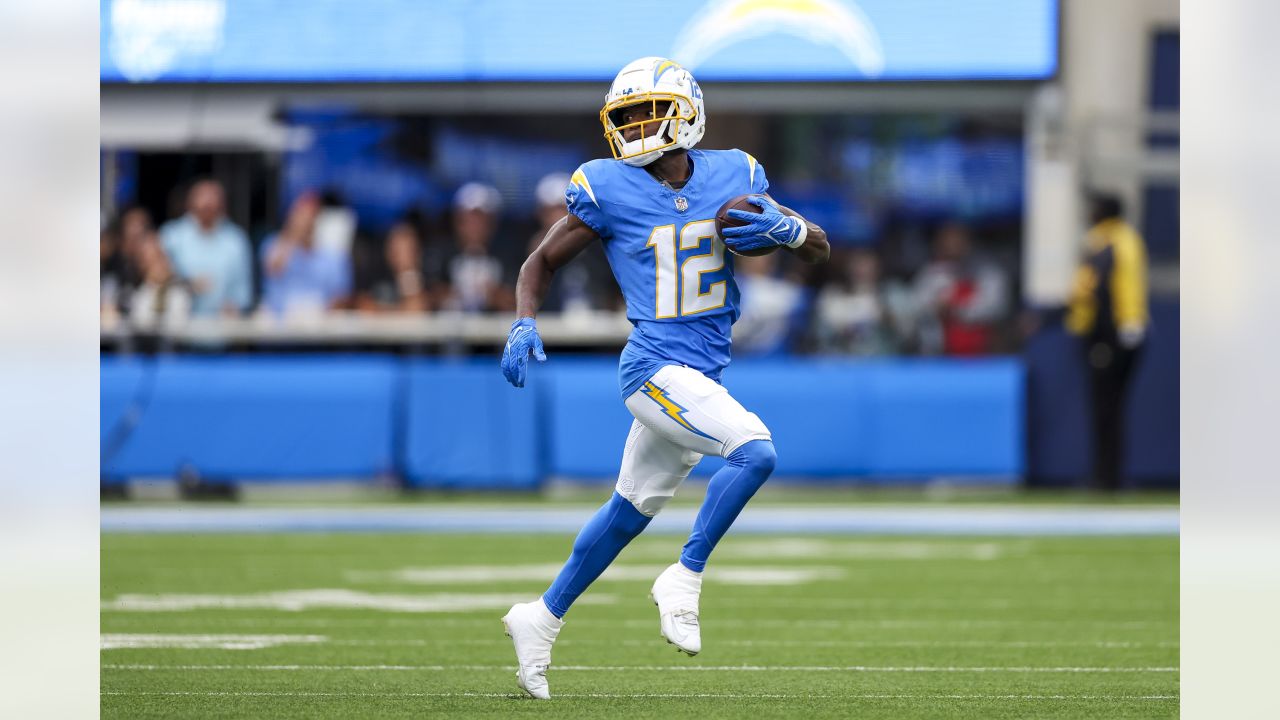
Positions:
{"x": 678, "y": 290}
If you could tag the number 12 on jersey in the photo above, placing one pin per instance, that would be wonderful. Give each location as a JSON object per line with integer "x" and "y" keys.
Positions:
{"x": 678, "y": 286}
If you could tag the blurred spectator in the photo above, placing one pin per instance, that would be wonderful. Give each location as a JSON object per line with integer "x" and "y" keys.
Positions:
{"x": 857, "y": 314}
{"x": 120, "y": 268}
{"x": 110, "y": 262}
{"x": 586, "y": 283}
{"x": 959, "y": 297}
{"x": 335, "y": 224}
{"x": 1108, "y": 309}
{"x": 161, "y": 302}
{"x": 210, "y": 253}
{"x": 402, "y": 286}
{"x": 770, "y": 306}
{"x": 301, "y": 278}
{"x": 475, "y": 273}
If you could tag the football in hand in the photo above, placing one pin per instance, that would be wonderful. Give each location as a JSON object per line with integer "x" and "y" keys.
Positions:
{"x": 742, "y": 202}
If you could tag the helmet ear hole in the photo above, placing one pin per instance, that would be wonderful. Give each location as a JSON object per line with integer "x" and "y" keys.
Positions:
{"x": 672, "y": 130}
{"x": 672, "y": 124}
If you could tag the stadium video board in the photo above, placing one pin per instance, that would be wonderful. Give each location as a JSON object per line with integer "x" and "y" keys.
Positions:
{"x": 230, "y": 41}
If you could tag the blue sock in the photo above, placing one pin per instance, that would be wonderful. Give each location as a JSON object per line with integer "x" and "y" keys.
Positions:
{"x": 727, "y": 493}
{"x": 599, "y": 542}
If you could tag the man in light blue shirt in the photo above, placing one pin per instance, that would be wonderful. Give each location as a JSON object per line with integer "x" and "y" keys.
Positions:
{"x": 210, "y": 253}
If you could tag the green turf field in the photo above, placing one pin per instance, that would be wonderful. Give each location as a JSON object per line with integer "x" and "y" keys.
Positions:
{"x": 406, "y": 625}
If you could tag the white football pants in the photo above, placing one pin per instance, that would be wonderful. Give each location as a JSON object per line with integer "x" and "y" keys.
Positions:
{"x": 680, "y": 415}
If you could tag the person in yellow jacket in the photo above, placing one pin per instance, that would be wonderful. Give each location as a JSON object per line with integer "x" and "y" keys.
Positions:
{"x": 1108, "y": 310}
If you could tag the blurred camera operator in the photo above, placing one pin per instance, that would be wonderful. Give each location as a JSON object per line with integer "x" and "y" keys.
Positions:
{"x": 1108, "y": 310}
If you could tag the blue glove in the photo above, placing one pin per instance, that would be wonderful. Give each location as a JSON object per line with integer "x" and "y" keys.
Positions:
{"x": 522, "y": 341}
{"x": 766, "y": 229}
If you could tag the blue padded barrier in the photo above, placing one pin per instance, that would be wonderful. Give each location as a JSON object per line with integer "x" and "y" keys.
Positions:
{"x": 828, "y": 417}
{"x": 254, "y": 417}
{"x": 456, "y": 423}
{"x": 124, "y": 384}
{"x": 466, "y": 427}
{"x": 586, "y": 421}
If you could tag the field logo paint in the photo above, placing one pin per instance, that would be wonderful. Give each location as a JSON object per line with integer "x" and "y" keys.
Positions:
{"x": 835, "y": 23}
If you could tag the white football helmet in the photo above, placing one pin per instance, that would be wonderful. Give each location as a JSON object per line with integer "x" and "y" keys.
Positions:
{"x": 653, "y": 80}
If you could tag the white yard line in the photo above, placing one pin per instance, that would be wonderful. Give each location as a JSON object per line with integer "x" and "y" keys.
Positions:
{"x": 1107, "y": 644}
{"x": 115, "y": 641}
{"x": 628, "y": 696}
{"x": 662, "y": 668}
{"x": 484, "y": 574}
{"x": 426, "y": 621}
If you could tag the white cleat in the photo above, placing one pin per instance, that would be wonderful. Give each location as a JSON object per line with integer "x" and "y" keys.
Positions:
{"x": 532, "y": 629}
{"x": 676, "y": 592}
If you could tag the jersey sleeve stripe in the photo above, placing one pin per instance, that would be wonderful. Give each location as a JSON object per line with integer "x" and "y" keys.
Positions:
{"x": 579, "y": 178}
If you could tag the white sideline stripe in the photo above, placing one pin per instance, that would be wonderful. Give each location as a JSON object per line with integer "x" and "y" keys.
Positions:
{"x": 881, "y": 520}
{"x": 115, "y": 641}
{"x": 233, "y": 693}
{"x": 938, "y": 643}
{"x": 676, "y": 668}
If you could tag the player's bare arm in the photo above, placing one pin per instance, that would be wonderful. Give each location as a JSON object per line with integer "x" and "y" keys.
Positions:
{"x": 815, "y": 249}
{"x": 563, "y": 242}
{"x": 568, "y": 237}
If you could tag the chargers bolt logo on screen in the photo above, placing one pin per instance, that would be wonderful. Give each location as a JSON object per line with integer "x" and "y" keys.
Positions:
{"x": 149, "y": 36}
{"x": 837, "y": 23}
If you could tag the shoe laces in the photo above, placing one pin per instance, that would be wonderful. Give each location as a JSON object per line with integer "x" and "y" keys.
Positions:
{"x": 686, "y": 617}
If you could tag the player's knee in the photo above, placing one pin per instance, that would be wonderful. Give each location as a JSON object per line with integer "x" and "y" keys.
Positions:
{"x": 649, "y": 489}
{"x": 646, "y": 499}
{"x": 622, "y": 519}
{"x": 758, "y": 455}
{"x": 629, "y": 518}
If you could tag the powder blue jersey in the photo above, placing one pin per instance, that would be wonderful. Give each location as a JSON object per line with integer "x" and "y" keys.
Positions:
{"x": 672, "y": 267}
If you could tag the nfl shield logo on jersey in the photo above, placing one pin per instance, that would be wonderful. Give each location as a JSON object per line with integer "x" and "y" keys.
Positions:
{"x": 681, "y": 204}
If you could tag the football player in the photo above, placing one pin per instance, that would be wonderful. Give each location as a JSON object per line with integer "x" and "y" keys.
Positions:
{"x": 653, "y": 205}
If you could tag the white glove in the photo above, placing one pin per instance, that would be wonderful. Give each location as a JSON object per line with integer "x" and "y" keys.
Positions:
{"x": 1131, "y": 336}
